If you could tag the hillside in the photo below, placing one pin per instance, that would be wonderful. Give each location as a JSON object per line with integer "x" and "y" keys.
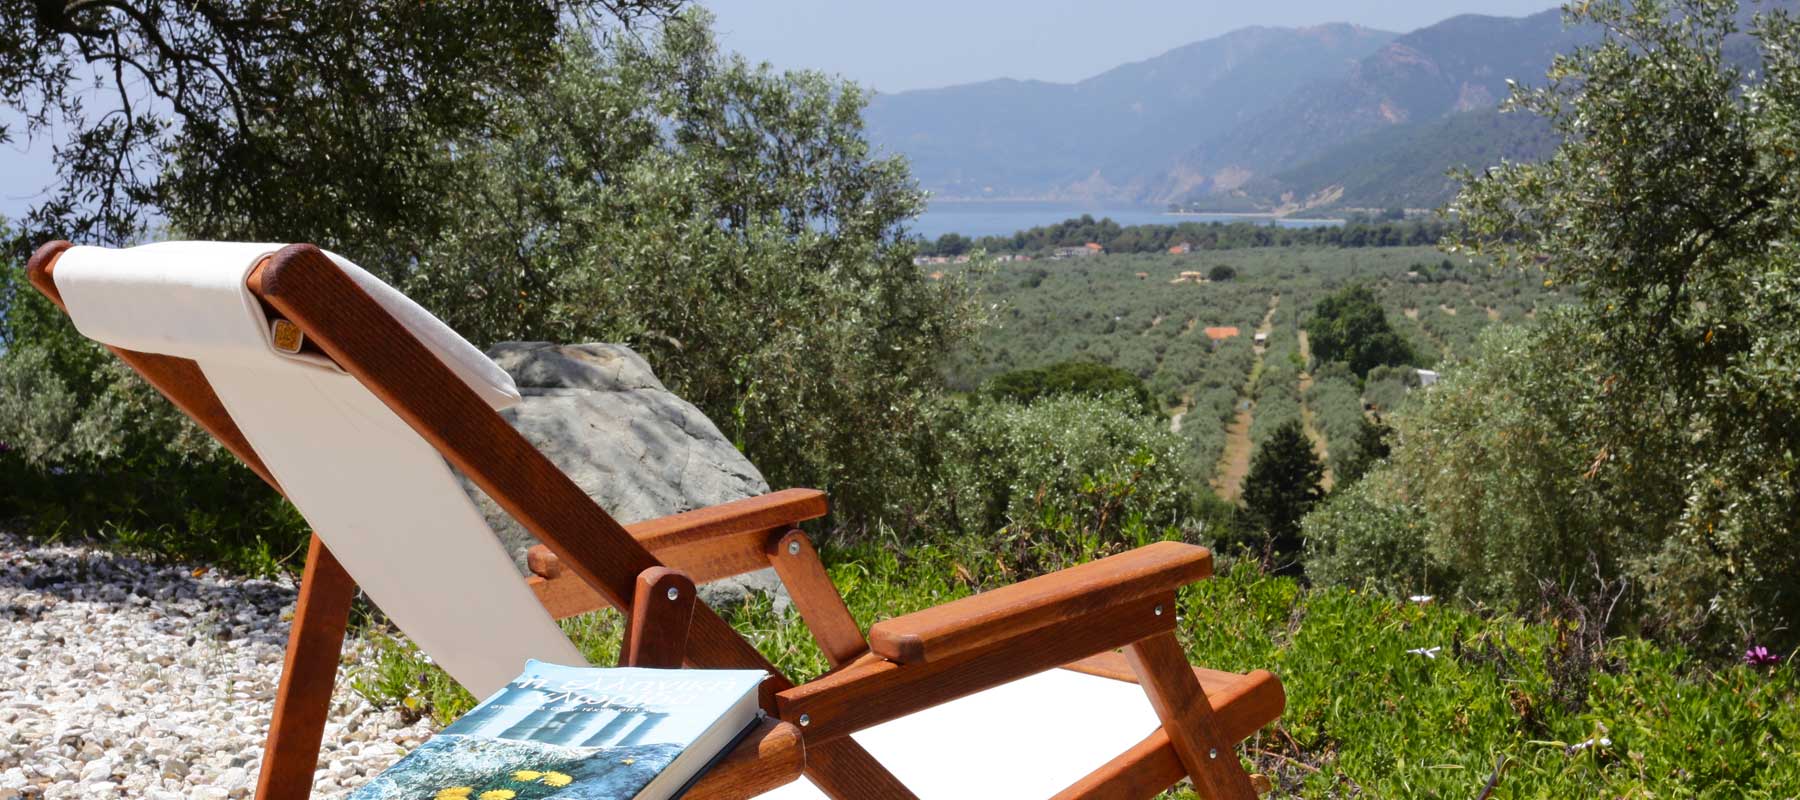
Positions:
{"x": 1037, "y": 140}
{"x": 1282, "y": 120}
{"x": 1152, "y": 315}
{"x": 1459, "y": 65}
{"x": 1405, "y": 165}
{"x": 1258, "y": 119}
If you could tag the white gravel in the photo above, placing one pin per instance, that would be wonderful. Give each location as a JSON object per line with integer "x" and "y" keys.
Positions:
{"x": 120, "y": 678}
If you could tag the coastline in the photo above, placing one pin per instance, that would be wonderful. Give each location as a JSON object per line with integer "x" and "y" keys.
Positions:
{"x": 1251, "y": 215}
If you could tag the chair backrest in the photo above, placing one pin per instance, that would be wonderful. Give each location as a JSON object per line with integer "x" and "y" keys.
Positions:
{"x": 381, "y": 497}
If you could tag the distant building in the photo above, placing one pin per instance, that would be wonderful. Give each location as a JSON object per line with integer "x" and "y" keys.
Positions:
{"x": 1221, "y": 332}
{"x": 1181, "y": 249}
{"x": 1190, "y": 277}
{"x": 1427, "y": 377}
{"x": 1089, "y": 249}
{"x": 1261, "y": 338}
{"x": 1143, "y": 275}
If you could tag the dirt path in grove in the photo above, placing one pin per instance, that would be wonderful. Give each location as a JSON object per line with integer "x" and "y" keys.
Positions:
{"x": 1321, "y": 448}
{"x": 1234, "y": 462}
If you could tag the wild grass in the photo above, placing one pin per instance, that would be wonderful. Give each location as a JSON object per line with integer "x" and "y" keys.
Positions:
{"x": 1366, "y": 714}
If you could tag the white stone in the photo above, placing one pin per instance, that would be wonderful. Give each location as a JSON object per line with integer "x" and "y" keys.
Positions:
{"x": 125, "y": 678}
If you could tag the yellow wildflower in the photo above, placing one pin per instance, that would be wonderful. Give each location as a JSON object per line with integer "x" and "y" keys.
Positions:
{"x": 556, "y": 779}
{"x": 499, "y": 794}
{"x": 527, "y": 775}
{"x": 454, "y": 793}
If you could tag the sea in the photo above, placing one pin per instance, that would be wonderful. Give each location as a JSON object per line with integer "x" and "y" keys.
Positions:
{"x": 993, "y": 218}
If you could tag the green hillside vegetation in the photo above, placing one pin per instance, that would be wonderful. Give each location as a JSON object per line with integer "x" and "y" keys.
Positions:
{"x": 1099, "y": 309}
{"x": 1567, "y": 567}
{"x": 1637, "y": 448}
{"x": 1128, "y": 239}
{"x": 1410, "y": 166}
{"x": 1082, "y": 378}
{"x": 1368, "y": 713}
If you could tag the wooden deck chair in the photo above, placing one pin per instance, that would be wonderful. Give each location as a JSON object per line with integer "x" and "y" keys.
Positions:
{"x": 355, "y": 403}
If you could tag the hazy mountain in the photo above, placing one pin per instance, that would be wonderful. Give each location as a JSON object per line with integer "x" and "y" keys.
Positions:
{"x": 1397, "y": 95}
{"x": 1405, "y": 165}
{"x": 1267, "y": 119}
{"x": 1112, "y": 134}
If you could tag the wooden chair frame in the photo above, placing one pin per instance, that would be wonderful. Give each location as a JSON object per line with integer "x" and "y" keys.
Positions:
{"x": 1077, "y": 618}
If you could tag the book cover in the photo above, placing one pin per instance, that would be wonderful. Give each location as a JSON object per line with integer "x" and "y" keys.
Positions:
{"x": 579, "y": 733}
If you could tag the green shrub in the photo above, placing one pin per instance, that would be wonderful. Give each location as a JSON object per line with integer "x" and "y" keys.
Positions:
{"x": 1353, "y": 458}
{"x": 1490, "y": 460}
{"x": 1065, "y": 467}
{"x": 1362, "y": 711}
{"x": 1084, "y": 378}
{"x": 1350, "y": 326}
{"x": 1364, "y": 536}
{"x": 1672, "y": 446}
{"x": 1494, "y": 482}
{"x": 88, "y": 450}
{"x": 1386, "y": 387}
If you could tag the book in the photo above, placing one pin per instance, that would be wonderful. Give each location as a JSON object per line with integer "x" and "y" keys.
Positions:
{"x": 580, "y": 733}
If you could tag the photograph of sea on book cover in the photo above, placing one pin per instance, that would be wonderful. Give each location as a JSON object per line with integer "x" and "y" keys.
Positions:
{"x": 575, "y": 733}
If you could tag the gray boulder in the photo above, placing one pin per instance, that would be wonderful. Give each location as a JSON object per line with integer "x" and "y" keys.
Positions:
{"x": 600, "y": 414}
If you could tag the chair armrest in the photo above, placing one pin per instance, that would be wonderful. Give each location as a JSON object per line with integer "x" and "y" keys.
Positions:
{"x": 769, "y": 757}
{"x": 972, "y": 622}
{"x": 713, "y": 542}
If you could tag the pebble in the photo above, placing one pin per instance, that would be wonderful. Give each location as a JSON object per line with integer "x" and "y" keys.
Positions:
{"x": 126, "y": 678}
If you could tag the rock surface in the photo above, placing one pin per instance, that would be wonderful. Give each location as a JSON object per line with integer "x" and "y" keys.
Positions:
{"x": 120, "y": 678}
{"x": 601, "y": 415}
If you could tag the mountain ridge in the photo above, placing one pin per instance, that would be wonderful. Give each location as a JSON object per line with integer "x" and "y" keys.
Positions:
{"x": 1038, "y": 139}
{"x": 1257, "y": 119}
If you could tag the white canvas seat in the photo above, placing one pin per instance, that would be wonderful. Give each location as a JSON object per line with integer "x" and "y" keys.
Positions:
{"x": 1033, "y": 737}
{"x": 394, "y": 514}
{"x": 379, "y": 496}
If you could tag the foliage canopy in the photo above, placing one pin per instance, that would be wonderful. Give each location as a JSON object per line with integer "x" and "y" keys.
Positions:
{"x": 1085, "y": 378}
{"x": 1350, "y": 326}
{"x": 321, "y": 122}
{"x": 726, "y": 220}
{"x": 1651, "y": 431}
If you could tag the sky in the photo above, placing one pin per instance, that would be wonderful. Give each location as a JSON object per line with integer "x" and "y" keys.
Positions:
{"x": 894, "y": 46}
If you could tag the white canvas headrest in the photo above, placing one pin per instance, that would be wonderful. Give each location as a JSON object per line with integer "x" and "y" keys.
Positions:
{"x": 189, "y": 299}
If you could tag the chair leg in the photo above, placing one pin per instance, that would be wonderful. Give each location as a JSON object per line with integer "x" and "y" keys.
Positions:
{"x": 843, "y": 770}
{"x": 304, "y": 697}
{"x": 1175, "y": 693}
{"x": 662, "y": 607}
{"x": 820, "y": 605}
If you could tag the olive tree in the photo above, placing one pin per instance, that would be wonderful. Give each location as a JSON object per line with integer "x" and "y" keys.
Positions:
{"x": 1652, "y": 430}
{"x": 265, "y": 120}
{"x": 727, "y": 220}
{"x": 732, "y": 223}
